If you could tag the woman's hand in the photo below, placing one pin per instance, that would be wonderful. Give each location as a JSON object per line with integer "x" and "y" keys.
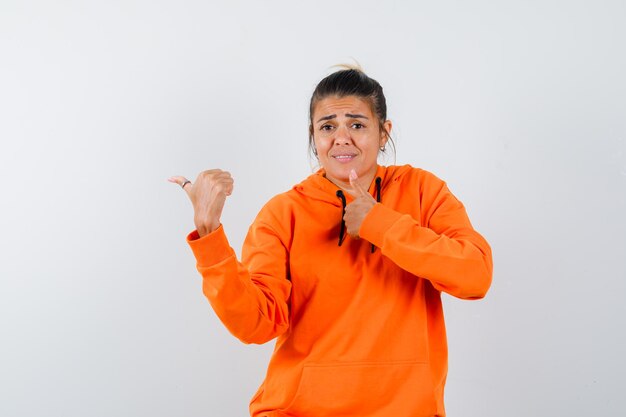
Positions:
{"x": 357, "y": 209}
{"x": 208, "y": 195}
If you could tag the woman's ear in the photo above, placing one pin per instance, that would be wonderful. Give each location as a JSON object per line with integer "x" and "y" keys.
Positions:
{"x": 385, "y": 134}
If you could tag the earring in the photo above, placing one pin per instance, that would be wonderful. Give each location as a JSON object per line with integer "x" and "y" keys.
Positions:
{"x": 382, "y": 149}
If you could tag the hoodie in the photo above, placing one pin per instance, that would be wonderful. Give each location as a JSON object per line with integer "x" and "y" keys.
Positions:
{"x": 360, "y": 332}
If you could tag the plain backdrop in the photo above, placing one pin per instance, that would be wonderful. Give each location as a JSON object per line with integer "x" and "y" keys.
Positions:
{"x": 519, "y": 105}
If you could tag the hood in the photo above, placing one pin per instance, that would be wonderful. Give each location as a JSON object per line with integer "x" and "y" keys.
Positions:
{"x": 318, "y": 187}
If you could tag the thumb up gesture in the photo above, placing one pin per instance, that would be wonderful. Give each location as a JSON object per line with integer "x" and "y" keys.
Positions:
{"x": 359, "y": 208}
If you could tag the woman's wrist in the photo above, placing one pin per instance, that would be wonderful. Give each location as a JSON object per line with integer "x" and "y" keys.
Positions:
{"x": 204, "y": 228}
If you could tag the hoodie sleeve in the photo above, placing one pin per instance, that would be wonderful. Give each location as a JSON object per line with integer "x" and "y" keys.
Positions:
{"x": 442, "y": 247}
{"x": 250, "y": 298}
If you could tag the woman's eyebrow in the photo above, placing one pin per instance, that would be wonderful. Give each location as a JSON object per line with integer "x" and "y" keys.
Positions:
{"x": 356, "y": 116}
{"x": 350, "y": 115}
{"x": 331, "y": 116}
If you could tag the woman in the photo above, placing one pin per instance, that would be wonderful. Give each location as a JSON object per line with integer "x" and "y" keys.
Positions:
{"x": 345, "y": 269}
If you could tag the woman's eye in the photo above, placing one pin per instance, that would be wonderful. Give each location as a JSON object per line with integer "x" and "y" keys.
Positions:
{"x": 357, "y": 126}
{"x": 325, "y": 127}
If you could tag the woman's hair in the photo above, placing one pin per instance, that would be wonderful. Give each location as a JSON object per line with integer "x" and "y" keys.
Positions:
{"x": 351, "y": 81}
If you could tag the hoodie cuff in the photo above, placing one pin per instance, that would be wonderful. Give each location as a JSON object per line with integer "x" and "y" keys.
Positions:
{"x": 377, "y": 222}
{"x": 210, "y": 249}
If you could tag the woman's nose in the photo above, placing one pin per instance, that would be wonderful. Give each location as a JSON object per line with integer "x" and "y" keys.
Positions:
{"x": 342, "y": 136}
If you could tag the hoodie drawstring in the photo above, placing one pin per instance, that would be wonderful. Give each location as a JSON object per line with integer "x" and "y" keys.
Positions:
{"x": 342, "y": 230}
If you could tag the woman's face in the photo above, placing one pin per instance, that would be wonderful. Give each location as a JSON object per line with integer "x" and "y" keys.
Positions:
{"x": 347, "y": 136}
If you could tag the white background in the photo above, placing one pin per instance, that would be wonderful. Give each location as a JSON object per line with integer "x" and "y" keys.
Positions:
{"x": 519, "y": 106}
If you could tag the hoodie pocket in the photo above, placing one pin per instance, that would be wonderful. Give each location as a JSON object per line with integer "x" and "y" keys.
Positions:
{"x": 364, "y": 389}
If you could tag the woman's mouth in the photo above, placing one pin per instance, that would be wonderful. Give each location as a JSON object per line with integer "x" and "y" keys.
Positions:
{"x": 344, "y": 157}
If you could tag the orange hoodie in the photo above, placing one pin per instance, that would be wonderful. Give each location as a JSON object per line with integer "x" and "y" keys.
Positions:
{"x": 360, "y": 333}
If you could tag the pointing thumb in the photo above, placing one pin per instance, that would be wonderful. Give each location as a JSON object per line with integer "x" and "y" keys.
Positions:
{"x": 353, "y": 177}
{"x": 358, "y": 190}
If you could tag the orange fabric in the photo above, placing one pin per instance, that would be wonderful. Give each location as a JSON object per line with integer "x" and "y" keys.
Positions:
{"x": 359, "y": 333}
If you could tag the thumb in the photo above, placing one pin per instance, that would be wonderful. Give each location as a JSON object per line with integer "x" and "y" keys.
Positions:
{"x": 354, "y": 182}
{"x": 182, "y": 181}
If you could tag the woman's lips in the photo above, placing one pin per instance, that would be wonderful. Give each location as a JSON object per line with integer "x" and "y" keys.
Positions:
{"x": 344, "y": 157}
